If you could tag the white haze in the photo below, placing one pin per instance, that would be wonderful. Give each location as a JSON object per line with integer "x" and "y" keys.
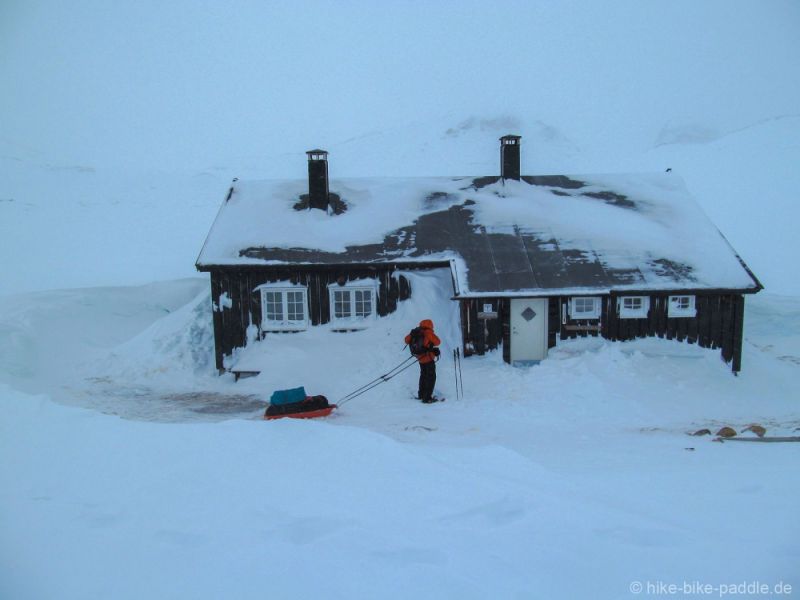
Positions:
{"x": 249, "y": 85}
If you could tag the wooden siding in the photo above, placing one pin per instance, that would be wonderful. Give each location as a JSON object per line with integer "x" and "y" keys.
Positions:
{"x": 718, "y": 324}
{"x": 484, "y": 334}
{"x": 231, "y": 323}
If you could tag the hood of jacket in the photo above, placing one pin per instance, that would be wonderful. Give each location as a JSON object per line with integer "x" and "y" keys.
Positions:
{"x": 426, "y": 324}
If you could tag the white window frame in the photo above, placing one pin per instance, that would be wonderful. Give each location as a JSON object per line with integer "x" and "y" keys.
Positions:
{"x": 674, "y": 310}
{"x": 284, "y": 323}
{"x": 351, "y": 289}
{"x": 633, "y": 313}
{"x": 593, "y": 314}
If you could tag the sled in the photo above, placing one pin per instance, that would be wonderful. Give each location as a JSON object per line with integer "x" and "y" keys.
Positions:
{"x": 307, "y": 414}
{"x": 295, "y": 404}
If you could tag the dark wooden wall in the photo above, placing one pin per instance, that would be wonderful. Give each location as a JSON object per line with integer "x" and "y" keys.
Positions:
{"x": 482, "y": 335}
{"x": 231, "y": 324}
{"x": 718, "y": 324}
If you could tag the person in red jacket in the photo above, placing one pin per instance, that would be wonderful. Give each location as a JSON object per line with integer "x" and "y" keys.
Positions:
{"x": 427, "y": 361}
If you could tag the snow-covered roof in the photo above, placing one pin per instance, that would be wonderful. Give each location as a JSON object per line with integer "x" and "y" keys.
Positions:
{"x": 540, "y": 235}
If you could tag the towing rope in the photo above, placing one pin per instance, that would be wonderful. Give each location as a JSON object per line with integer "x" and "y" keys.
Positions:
{"x": 379, "y": 380}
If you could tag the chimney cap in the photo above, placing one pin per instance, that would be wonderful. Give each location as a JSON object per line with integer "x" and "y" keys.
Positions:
{"x": 317, "y": 154}
{"x": 511, "y": 139}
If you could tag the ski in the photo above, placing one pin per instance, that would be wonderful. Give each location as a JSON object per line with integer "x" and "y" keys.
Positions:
{"x": 432, "y": 401}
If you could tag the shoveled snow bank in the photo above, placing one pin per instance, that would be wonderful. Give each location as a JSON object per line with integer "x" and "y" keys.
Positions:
{"x": 51, "y": 338}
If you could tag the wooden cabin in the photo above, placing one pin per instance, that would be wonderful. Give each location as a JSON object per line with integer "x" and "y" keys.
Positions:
{"x": 533, "y": 259}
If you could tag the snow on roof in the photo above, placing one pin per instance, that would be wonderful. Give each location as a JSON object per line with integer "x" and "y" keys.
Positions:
{"x": 541, "y": 235}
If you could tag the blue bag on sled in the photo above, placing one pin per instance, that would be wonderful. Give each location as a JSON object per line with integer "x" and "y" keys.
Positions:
{"x": 291, "y": 396}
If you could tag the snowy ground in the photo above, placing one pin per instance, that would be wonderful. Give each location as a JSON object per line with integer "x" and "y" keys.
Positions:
{"x": 574, "y": 478}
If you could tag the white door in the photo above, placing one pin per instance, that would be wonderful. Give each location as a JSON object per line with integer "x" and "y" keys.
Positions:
{"x": 528, "y": 330}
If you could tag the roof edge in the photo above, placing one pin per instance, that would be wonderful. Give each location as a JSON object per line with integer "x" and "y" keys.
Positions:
{"x": 428, "y": 264}
{"x": 604, "y": 292}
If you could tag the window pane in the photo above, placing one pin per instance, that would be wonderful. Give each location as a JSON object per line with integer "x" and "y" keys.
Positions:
{"x": 294, "y": 306}
{"x": 681, "y": 306}
{"x": 363, "y": 303}
{"x": 274, "y": 306}
{"x": 632, "y": 303}
{"x": 341, "y": 304}
{"x": 584, "y": 305}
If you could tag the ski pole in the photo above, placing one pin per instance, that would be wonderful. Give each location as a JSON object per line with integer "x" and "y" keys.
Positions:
{"x": 458, "y": 353}
{"x": 379, "y": 380}
{"x": 455, "y": 371}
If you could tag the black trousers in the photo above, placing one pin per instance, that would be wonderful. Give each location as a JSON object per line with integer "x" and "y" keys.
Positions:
{"x": 427, "y": 380}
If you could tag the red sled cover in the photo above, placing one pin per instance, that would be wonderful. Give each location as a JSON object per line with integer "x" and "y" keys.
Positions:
{"x": 311, "y": 414}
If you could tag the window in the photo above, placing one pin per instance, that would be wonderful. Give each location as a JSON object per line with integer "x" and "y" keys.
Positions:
{"x": 584, "y": 308}
{"x": 363, "y": 302}
{"x": 341, "y": 304}
{"x": 633, "y": 307}
{"x": 283, "y": 308}
{"x": 352, "y": 304}
{"x": 681, "y": 306}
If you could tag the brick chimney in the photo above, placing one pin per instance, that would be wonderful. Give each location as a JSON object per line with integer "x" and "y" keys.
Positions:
{"x": 509, "y": 156}
{"x": 318, "y": 179}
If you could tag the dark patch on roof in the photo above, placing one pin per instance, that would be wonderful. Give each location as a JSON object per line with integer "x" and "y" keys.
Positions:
{"x": 559, "y": 183}
{"x": 439, "y": 200}
{"x": 556, "y": 181}
{"x": 517, "y": 260}
{"x": 482, "y": 182}
{"x": 626, "y": 276}
{"x": 611, "y": 198}
{"x": 338, "y": 206}
{"x": 672, "y": 270}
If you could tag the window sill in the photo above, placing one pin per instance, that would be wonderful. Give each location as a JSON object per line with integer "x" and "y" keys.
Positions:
{"x": 283, "y": 328}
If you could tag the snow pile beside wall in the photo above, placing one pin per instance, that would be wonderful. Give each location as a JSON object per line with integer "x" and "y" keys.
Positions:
{"x": 177, "y": 347}
{"x": 52, "y": 338}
